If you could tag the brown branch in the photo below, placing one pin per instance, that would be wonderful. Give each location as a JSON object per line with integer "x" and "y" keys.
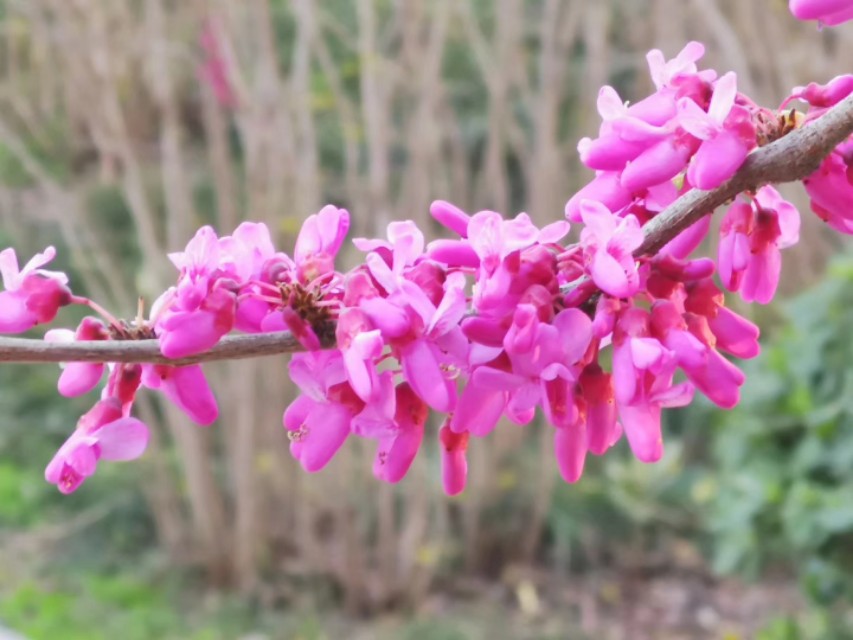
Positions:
{"x": 232, "y": 347}
{"x": 793, "y": 157}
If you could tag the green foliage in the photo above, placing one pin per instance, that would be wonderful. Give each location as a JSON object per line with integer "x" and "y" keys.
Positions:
{"x": 785, "y": 457}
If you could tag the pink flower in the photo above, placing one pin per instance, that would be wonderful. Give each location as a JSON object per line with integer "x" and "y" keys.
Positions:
{"x": 186, "y": 387}
{"x": 78, "y": 378}
{"x": 712, "y": 374}
{"x": 642, "y": 375}
{"x": 831, "y": 188}
{"x": 318, "y": 423}
{"x": 542, "y": 361}
{"x": 611, "y": 241}
{"x": 827, "y": 12}
{"x": 398, "y": 448}
{"x": 664, "y": 72}
{"x": 319, "y": 241}
{"x": 570, "y": 447}
{"x": 751, "y": 236}
{"x": 103, "y": 432}
{"x": 732, "y": 333}
{"x": 826, "y": 95}
{"x": 454, "y": 464}
{"x": 32, "y": 295}
{"x": 184, "y": 333}
{"x": 450, "y": 216}
{"x": 194, "y": 315}
{"x": 602, "y": 429}
{"x": 724, "y": 130}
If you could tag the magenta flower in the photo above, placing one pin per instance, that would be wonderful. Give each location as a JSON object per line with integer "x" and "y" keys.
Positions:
{"x": 724, "y": 130}
{"x": 751, "y": 237}
{"x": 570, "y": 447}
{"x": 610, "y": 242}
{"x": 186, "y": 387}
{"x": 642, "y": 375}
{"x": 398, "y": 448}
{"x": 184, "y": 333}
{"x": 454, "y": 463}
{"x": 319, "y": 420}
{"x": 103, "y": 432}
{"x": 664, "y": 72}
{"x": 827, "y": 12}
{"x": 602, "y": 428}
{"x": 831, "y": 189}
{"x": 712, "y": 374}
{"x": 361, "y": 346}
{"x": 542, "y": 369}
{"x": 319, "y": 241}
{"x": 78, "y": 378}
{"x": 195, "y": 314}
{"x": 32, "y": 295}
{"x": 450, "y": 216}
{"x": 826, "y": 95}
{"x": 731, "y": 333}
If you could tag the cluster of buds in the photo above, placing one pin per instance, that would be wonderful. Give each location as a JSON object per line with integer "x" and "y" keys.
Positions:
{"x": 496, "y": 321}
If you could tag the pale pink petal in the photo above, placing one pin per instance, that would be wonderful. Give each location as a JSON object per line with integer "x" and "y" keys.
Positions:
{"x": 570, "y": 449}
{"x": 723, "y": 99}
{"x": 450, "y": 216}
{"x": 124, "y": 439}
{"x": 78, "y": 378}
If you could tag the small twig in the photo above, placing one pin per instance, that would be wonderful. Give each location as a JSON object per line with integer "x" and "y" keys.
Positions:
{"x": 232, "y": 347}
{"x": 792, "y": 157}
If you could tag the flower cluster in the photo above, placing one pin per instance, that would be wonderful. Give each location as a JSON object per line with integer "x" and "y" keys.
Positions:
{"x": 497, "y": 321}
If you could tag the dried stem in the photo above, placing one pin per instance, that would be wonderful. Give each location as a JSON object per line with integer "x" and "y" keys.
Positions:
{"x": 793, "y": 157}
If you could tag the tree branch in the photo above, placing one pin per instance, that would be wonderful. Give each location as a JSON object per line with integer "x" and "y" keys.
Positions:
{"x": 792, "y": 157}
{"x": 232, "y": 347}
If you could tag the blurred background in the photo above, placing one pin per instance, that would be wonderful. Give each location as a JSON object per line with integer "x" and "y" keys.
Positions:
{"x": 127, "y": 124}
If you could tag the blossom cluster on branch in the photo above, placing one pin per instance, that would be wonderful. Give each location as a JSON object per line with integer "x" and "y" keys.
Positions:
{"x": 499, "y": 320}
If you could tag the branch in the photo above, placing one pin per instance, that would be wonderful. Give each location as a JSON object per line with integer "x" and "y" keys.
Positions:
{"x": 232, "y": 347}
{"x": 792, "y": 157}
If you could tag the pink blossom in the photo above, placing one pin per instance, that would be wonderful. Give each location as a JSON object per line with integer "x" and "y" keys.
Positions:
{"x": 831, "y": 189}
{"x": 398, "y": 448}
{"x": 732, "y": 333}
{"x": 454, "y": 463}
{"x": 602, "y": 428}
{"x": 319, "y": 241}
{"x": 103, "y": 432}
{"x": 751, "y": 236}
{"x": 724, "y": 130}
{"x": 712, "y": 374}
{"x": 32, "y": 295}
{"x": 827, "y": 12}
{"x": 610, "y": 241}
{"x": 186, "y": 387}
{"x": 78, "y": 378}
{"x": 642, "y": 374}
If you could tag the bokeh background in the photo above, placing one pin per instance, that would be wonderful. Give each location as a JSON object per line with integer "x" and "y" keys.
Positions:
{"x": 127, "y": 124}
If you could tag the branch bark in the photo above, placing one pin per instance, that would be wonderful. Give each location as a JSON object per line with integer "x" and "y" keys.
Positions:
{"x": 792, "y": 157}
